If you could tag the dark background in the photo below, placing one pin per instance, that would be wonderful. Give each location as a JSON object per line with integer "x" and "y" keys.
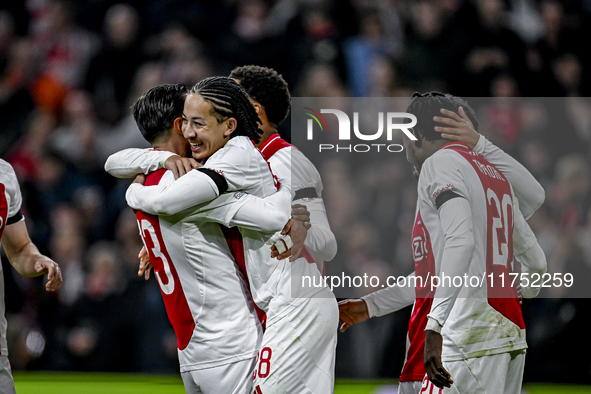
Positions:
{"x": 69, "y": 72}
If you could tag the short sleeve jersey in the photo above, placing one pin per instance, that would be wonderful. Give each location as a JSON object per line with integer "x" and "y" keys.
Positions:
{"x": 10, "y": 204}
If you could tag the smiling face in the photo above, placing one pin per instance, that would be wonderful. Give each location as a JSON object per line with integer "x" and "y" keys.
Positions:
{"x": 202, "y": 129}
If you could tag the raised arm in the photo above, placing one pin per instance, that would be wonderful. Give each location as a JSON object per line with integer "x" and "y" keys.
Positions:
{"x": 528, "y": 252}
{"x": 527, "y": 189}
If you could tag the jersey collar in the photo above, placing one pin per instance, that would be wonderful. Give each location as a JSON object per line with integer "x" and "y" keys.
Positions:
{"x": 450, "y": 145}
{"x": 272, "y": 145}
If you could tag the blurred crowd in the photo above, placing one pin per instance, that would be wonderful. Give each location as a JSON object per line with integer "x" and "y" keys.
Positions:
{"x": 69, "y": 72}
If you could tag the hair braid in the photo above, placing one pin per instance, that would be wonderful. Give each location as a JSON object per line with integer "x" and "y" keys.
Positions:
{"x": 229, "y": 100}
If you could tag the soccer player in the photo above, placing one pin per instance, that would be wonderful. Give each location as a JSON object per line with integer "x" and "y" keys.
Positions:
{"x": 526, "y": 248}
{"x": 22, "y": 254}
{"x": 270, "y": 96}
{"x": 297, "y": 353}
{"x": 207, "y": 299}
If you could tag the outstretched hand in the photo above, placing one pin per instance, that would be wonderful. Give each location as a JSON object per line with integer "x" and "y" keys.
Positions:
{"x": 352, "y": 312}
{"x": 461, "y": 128}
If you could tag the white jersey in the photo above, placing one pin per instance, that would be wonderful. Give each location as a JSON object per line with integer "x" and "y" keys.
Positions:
{"x": 288, "y": 162}
{"x": 271, "y": 279}
{"x": 527, "y": 251}
{"x": 243, "y": 168}
{"x": 206, "y": 296}
{"x": 481, "y": 320}
{"x": 10, "y": 205}
{"x": 528, "y": 191}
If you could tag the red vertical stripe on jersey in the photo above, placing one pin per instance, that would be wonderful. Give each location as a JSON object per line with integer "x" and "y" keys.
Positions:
{"x": 414, "y": 369}
{"x": 501, "y": 298}
{"x": 177, "y": 306}
{"x": 234, "y": 240}
{"x": 306, "y": 254}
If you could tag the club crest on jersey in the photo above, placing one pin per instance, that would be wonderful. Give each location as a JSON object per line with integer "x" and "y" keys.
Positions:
{"x": 238, "y": 195}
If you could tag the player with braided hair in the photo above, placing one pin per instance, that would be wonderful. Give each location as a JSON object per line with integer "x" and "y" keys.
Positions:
{"x": 228, "y": 99}
{"x": 303, "y": 321}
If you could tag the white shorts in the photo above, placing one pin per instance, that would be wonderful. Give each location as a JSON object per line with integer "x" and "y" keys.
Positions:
{"x": 233, "y": 378}
{"x": 498, "y": 374}
{"x": 6, "y": 380}
{"x": 298, "y": 351}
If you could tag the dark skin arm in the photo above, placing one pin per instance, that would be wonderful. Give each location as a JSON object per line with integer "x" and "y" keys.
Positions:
{"x": 460, "y": 128}
{"x": 432, "y": 360}
{"x": 297, "y": 228}
{"x": 352, "y": 312}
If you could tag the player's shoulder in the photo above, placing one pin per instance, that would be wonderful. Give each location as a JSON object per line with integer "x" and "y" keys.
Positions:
{"x": 442, "y": 171}
{"x": 11, "y": 187}
{"x": 7, "y": 175}
{"x": 441, "y": 162}
{"x": 239, "y": 151}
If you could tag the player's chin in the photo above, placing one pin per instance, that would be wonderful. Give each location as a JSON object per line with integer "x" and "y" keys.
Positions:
{"x": 199, "y": 155}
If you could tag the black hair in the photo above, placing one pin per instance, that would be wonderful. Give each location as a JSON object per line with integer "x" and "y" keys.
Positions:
{"x": 427, "y": 105}
{"x": 229, "y": 100}
{"x": 155, "y": 111}
{"x": 267, "y": 87}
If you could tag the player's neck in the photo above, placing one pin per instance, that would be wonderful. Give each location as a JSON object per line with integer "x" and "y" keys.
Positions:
{"x": 428, "y": 148}
{"x": 268, "y": 131}
{"x": 174, "y": 145}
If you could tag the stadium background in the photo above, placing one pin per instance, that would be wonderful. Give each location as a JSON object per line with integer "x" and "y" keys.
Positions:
{"x": 70, "y": 70}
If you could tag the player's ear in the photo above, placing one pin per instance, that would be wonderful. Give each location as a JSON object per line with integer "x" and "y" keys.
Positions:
{"x": 231, "y": 125}
{"x": 257, "y": 107}
{"x": 178, "y": 124}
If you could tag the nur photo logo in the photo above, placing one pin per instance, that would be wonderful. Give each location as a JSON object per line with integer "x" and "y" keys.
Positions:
{"x": 390, "y": 122}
